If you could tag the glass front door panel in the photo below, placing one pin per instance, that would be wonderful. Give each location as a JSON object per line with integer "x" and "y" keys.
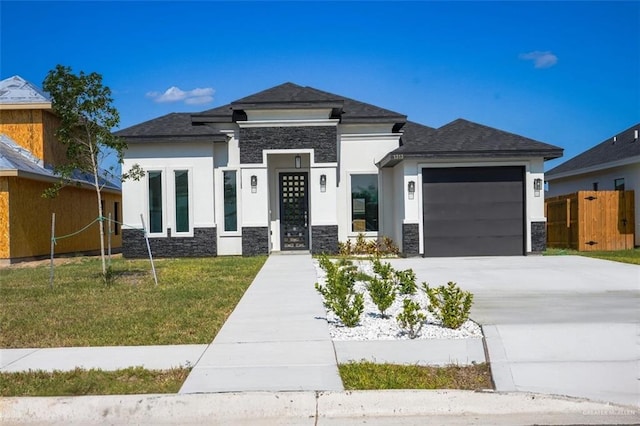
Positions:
{"x": 294, "y": 211}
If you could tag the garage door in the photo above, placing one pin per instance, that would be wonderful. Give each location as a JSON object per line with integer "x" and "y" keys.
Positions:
{"x": 473, "y": 211}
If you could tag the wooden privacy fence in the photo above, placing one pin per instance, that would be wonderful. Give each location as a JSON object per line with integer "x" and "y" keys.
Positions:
{"x": 591, "y": 220}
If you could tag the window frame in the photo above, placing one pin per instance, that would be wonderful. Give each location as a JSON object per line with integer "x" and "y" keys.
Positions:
{"x": 220, "y": 204}
{"x": 163, "y": 202}
{"x": 618, "y": 184}
{"x": 174, "y": 228}
{"x": 366, "y": 233}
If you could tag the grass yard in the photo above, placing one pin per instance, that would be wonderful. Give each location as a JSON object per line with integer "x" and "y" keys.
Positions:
{"x": 193, "y": 299}
{"x": 367, "y": 375}
{"x": 135, "y": 380}
{"x": 625, "y": 256}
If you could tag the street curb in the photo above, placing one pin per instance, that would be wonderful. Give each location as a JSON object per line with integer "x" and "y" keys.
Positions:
{"x": 305, "y": 408}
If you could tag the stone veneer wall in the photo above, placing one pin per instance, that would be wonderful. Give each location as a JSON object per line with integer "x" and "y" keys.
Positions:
{"x": 202, "y": 244}
{"x": 322, "y": 139}
{"x": 324, "y": 239}
{"x": 255, "y": 241}
{"x": 410, "y": 239}
{"x": 538, "y": 237}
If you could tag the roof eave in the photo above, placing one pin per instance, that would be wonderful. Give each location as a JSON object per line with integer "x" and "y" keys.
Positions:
{"x": 593, "y": 168}
{"x": 204, "y": 118}
{"x": 174, "y": 138}
{"x": 25, "y": 105}
{"x": 394, "y": 157}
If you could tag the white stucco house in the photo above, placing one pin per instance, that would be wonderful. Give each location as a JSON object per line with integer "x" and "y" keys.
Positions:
{"x": 613, "y": 164}
{"x": 296, "y": 168}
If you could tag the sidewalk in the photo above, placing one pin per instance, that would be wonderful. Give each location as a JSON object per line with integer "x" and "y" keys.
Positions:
{"x": 276, "y": 339}
{"x": 109, "y": 358}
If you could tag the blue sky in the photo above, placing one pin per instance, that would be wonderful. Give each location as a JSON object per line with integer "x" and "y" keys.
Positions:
{"x": 565, "y": 73}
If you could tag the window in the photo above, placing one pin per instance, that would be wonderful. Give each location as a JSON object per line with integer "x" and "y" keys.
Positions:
{"x": 364, "y": 203}
{"x": 182, "y": 200}
{"x": 155, "y": 202}
{"x": 595, "y": 186}
{"x": 230, "y": 201}
{"x": 618, "y": 184}
{"x": 116, "y": 217}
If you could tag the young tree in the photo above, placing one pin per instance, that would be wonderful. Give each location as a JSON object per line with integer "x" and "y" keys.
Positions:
{"x": 84, "y": 107}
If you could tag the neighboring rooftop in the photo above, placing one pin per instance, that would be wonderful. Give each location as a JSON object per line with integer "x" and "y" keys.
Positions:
{"x": 625, "y": 145}
{"x": 16, "y": 92}
{"x": 15, "y": 160}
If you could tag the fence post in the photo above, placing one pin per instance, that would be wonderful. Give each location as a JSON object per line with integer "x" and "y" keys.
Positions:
{"x": 146, "y": 238}
{"x": 53, "y": 242}
{"x": 109, "y": 239}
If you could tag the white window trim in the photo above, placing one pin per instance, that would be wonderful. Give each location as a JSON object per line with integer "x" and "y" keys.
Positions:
{"x": 163, "y": 182}
{"x": 174, "y": 219}
{"x": 220, "y": 214}
{"x": 351, "y": 233}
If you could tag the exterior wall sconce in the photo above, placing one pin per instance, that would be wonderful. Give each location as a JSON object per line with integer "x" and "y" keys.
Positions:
{"x": 298, "y": 161}
{"x": 411, "y": 188}
{"x": 537, "y": 186}
{"x": 323, "y": 183}
{"x": 254, "y": 183}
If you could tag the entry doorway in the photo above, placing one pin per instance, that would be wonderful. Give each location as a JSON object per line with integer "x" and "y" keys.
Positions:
{"x": 294, "y": 211}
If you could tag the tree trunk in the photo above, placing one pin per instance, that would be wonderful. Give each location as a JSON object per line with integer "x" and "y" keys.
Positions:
{"x": 96, "y": 183}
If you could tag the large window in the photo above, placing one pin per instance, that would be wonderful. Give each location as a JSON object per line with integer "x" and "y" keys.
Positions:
{"x": 230, "y": 201}
{"x": 182, "y": 200}
{"x": 364, "y": 203}
{"x": 155, "y": 202}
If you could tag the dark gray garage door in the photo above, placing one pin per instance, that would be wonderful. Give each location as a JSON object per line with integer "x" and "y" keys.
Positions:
{"x": 473, "y": 211}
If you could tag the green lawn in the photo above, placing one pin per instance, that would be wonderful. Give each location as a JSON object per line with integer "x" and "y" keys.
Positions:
{"x": 367, "y": 375}
{"x": 625, "y": 256}
{"x": 193, "y": 299}
{"x": 92, "y": 382}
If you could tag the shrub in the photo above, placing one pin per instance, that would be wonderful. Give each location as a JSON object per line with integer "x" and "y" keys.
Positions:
{"x": 406, "y": 281}
{"x": 380, "y": 247}
{"x": 449, "y": 304}
{"x": 384, "y": 270}
{"x": 339, "y": 295}
{"x": 382, "y": 293}
{"x": 411, "y": 319}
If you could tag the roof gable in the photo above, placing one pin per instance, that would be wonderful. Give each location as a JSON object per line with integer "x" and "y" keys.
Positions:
{"x": 619, "y": 147}
{"x": 17, "y": 91}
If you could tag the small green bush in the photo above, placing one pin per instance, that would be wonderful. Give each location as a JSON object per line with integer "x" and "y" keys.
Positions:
{"x": 411, "y": 319}
{"x": 406, "y": 281}
{"x": 339, "y": 295}
{"x": 383, "y": 246}
{"x": 449, "y": 304}
{"x": 382, "y": 293}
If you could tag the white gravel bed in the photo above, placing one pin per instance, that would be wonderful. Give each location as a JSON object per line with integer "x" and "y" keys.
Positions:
{"x": 373, "y": 327}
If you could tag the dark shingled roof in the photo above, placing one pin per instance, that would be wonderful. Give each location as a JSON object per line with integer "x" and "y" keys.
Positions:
{"x": 462, "y": 138}
{"x": 174, "y": 127}
{"x": 625, "y": 146}
{"x": 289, "y": 95}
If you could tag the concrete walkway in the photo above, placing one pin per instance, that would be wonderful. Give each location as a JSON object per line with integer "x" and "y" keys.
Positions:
{"x": 108, "y": 358}
{"x": 276, "y": 339}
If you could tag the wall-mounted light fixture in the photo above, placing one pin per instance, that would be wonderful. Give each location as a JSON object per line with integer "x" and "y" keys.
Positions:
{"x": 298, "y": 161}
{"x": 537, "y": 186}
{"x": 323, "y": 183}
{"x": 411, "y": 188}
{"x": 254, "y": 183}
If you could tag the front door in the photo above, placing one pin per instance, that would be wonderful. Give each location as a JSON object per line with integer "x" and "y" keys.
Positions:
{"x": 294, "y": 211}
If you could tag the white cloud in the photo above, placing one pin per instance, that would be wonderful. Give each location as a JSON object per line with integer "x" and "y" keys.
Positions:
{"x": 540, "y": 59}
{"x": 191, "y": 97}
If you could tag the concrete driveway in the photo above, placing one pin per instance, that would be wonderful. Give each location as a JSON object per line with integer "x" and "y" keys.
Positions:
{"x": 566, "y": 325}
